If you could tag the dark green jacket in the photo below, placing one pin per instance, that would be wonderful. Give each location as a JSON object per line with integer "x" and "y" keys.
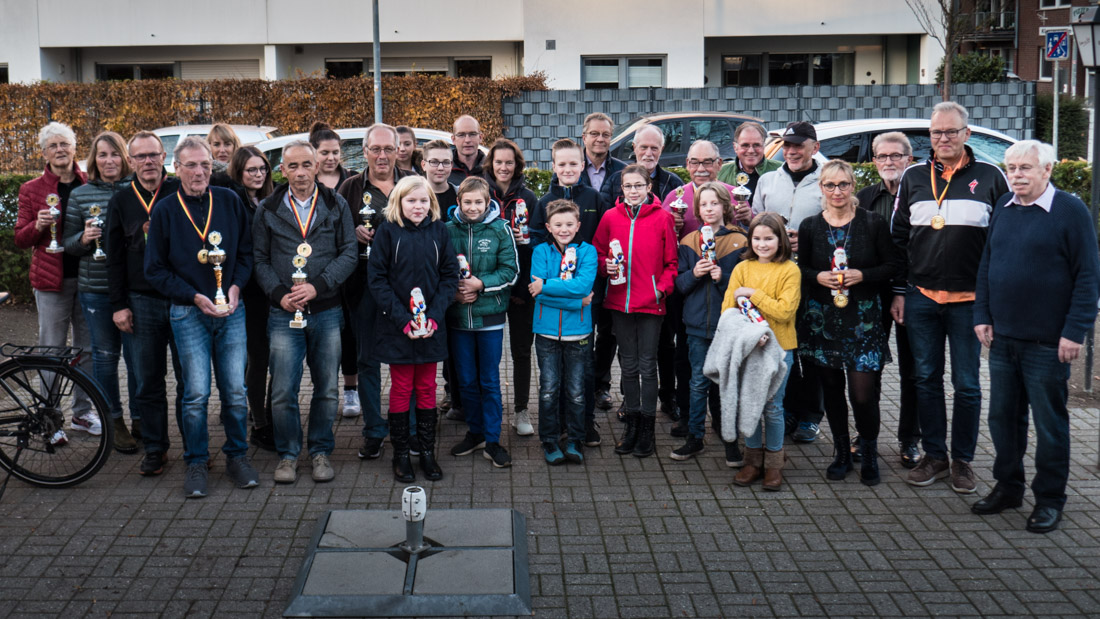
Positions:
{"x": 490, "y": 250}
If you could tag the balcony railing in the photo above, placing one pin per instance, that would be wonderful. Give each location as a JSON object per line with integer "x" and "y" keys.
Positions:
{"x": 991, "y": 21}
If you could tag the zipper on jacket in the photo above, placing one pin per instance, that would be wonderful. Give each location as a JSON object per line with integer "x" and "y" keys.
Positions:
{"x": 630, "y": 248}
{"x": 470, "y": 253}
{"x": 656, "y": 295}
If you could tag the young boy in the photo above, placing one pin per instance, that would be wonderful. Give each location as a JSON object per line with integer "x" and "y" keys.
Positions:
{"x": 563, "y": 270}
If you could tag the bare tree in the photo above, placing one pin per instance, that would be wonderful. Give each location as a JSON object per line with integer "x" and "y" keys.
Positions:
{"x": 944, "y": 21}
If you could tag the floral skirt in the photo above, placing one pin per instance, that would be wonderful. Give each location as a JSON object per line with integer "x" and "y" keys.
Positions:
{"x": 849, "y": 338}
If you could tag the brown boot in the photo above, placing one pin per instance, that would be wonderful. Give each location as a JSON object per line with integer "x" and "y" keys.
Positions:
{"x": 753, "y": 468}
{"x": 773, "y": 469}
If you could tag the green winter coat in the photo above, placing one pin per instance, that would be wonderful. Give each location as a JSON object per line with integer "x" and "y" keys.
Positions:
{"x": 490, "y": 250}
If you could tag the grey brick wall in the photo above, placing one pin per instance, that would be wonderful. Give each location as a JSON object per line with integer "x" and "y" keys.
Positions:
{"x": 536, "y": 119}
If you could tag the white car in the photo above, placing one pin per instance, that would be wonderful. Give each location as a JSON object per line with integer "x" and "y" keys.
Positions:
{"x": 850, "y": 140}
{"x": 248, "y": 134}
{"x": 351, "y": 145}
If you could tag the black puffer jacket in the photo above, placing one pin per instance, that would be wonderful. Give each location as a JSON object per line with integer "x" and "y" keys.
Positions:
{"x": 517, "y": 191}
{"x": 92, "y": 275}
{"x": 403, "y": 258}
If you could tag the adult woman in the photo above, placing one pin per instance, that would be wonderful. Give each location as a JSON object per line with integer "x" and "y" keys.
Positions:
{"x": 108, "y": 173}
{"x": 251, "y": 179}
{"x": 507, "y": 186}
{"x": 408, "y": 156}
{"x": 53, "y": 274}
{"x": 326, "y": 142}
{"x": 846, "y": 257}
{"x": 223, "y": 142}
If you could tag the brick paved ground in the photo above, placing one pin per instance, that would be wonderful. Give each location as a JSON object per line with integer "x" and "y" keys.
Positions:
{"x": 619, "y": 536}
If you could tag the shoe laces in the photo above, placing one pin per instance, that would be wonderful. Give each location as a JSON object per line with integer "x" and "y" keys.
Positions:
{"x": 196, "y": 471}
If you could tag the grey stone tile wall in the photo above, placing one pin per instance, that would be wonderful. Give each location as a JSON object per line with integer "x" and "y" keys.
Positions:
{"x": 536, "y": 119}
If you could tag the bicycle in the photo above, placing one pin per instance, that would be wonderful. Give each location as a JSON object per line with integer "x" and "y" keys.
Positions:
{"x": 35, "y": 384}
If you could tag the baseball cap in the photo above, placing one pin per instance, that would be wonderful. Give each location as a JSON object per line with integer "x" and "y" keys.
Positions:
{"x": 798, "y": 132}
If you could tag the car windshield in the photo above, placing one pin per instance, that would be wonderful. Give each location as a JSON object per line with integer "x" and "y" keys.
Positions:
{"x": 988, "y": 147}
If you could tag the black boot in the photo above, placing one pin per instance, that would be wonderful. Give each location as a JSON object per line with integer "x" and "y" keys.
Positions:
{"x": 399, "y": 438}
{"x": 842, "y": 448}
{"x": 425, "y": 430}
{"x": 680, "y": 428}
{"x": 644, "y": 447}
{"x": 868, "y": 471}
{"x": 630, "y": 434}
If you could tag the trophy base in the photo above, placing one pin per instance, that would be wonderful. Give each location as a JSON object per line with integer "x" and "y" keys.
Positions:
{"x": 55, "y": 250}
{"x": 617, "y": 281}
{"x": 99, "y": 257}
{"x": 419, "y": 332}
{"x": 222, "y": 308}
{"x": 298, "y": 324}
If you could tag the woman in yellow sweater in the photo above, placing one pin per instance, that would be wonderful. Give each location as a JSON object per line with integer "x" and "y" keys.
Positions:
{"x": 772, "y": 282}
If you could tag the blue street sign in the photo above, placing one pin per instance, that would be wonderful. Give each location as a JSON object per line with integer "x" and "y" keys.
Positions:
{"x": 1057, "y": 45}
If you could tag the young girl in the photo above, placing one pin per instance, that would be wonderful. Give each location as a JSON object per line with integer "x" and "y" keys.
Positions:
{"x": 636, "y": 243}
{"x": 476, "y": 320}
{"x": 412, "y": 254}
{"x": 771, "y": 281}
{"x": 561, "y": 284}
{"x": 702, "y": 281}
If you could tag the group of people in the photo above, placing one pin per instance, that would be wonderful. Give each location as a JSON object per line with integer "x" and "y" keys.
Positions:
{"x": 762, "y": 291}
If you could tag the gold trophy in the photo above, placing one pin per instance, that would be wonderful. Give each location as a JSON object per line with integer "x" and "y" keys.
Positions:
{"x": 97, "y": 221}
{"x": 216, "y": 257}
{"x": 52, "y": 201}
{"x": 299, "y": 277}
{"x": 367, "y": 213}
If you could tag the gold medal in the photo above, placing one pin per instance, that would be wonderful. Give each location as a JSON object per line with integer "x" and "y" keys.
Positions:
{"x": 53, "y": 200}
{"x": 304, "y": 250}
{"x": 203, "y": 253}
{"x": 215, "y": 237}
{"x": 840, "y": 300}
{"x": 938, "y": 222}
{"x": 298, "y": 261}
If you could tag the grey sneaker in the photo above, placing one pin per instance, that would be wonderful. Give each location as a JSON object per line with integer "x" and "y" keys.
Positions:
{"x": 286, "y": 472}
{"x": 194, "y": 480}
{"x": 322, "y": 469}
{"x": 242, "y": 473}
{"x": 962, "y": 477}
{"x": 927, "y": 472}
{"x": 521, "y": 421}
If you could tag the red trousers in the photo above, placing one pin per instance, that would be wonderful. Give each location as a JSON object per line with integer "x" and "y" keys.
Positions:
{"x": 404, "y": 379}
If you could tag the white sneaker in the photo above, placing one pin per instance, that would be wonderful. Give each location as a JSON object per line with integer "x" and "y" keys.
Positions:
{"x": 351, "y": 403}
{"x": 521, "y": 421}
{"x": 59, "y": 439}
{"x": 88, "y": 422}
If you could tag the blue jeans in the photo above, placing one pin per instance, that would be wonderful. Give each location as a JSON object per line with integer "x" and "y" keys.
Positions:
{"x": 929, "y": 324}
{"x": 773, "y": 415}
{"x": 150, "y": 341}
{"x": 702, "y": 389}
{"x": 564, "y": 372}
{"x": 370, "y": 371}
{"x": 107, "y": 344}
{"x": 477, "y": 366}
{"x": 318, "y": 344}
{"x": 201, "y": 339}
{"x": 1023, "y": 373}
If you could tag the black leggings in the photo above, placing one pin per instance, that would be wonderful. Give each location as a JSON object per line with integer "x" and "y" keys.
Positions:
{"x": 863, "y": 392}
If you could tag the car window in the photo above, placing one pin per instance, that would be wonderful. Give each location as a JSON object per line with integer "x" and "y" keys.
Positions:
{"x": 921, "y": 143}
{"x": 844, "y": 147}
{"x": 716, "y": 130}
{"x": 674, "y": 137}
{"x": 987, "y": 146}
{"x": 352, "y": 154}
{"x": 169, "y": 142}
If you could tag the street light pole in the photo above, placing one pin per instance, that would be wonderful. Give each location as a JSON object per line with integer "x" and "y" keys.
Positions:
{"x": 377, "y": 68}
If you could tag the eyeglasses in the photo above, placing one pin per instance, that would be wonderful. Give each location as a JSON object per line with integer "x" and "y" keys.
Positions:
{"x": 58, "y": 146}
{"x": 950, "y": 134}
{"x": 378, "y": 150}
{"x": 260, "y": 170}
{"x": 439, "y": 163}
{"x": 146, "y": 156}
{"x": 467, "y": 135}
{"x": 635, "y": 187}
{"x": 831, "y": 187}
{"x": 701, "y": 162}
{"x": 895, "y": 157}
{"x": 751, "y": 146}
{"x": 599, "y": 134}
{"x": 191, "y": 165}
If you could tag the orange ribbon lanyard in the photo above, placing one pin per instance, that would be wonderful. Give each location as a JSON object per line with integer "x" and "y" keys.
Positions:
{"x": 209, "y": 216}
{"x": 148, "y": 206}
{"x": 932, "y": 174}
{"x": 309, "y": 218}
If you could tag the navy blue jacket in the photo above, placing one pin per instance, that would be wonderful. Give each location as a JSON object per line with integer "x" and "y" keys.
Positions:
{"x": 703, "y": 297}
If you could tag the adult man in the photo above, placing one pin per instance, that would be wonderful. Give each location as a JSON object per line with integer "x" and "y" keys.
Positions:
{"x": 703, "y": 162}
{"x": 138, "y": 307}
{"x": 466, "y": 155}
{"x": 437, "y": 164}
{"x": 304, "y": 227}
{"x": 750, "y": 163}
{"x": 792, "y": 192}
{"x": 892, "y": 154}
{"x": 599, "y": 165}
{"x": 1037, "y": 286}
{"x": 372, "y": 185}
{"x": 649, "y": 143}
{"x": 200, "y": 256}
{"x": 940, "y": 224}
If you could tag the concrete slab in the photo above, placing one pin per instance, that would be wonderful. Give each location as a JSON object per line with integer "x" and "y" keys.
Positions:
{"x": 469, "y": 572}
{"x": 357, "y": 528}
{"x": 355, "y": 573}
{"x": 460, "y": 527}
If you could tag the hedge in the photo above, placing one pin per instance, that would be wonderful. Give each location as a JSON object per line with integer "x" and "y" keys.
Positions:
{"x": 427, "y": 101}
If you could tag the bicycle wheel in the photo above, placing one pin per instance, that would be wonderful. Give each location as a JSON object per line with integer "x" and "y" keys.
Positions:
{"x": 35, "y": 401}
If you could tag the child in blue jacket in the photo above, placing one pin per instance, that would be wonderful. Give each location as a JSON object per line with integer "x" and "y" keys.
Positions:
{"x": 562, "y": 274}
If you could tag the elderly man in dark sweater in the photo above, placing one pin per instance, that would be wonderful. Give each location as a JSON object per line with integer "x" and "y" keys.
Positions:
{"x": 1038, "y": 284}
{"x": 192, "y": 231}
{"x": 304, "y": 227}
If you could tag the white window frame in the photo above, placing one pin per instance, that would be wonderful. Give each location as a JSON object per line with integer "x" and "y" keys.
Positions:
{"x": 1054, "y": 4}
{"x": 623, "y": 62}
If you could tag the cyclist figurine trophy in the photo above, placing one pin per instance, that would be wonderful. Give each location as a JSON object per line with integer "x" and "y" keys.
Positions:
{"x": 216, "y": 257}
{"x": 97, "y": 221}
{"x": 52, "y": 201}
{"x": 367, "y": 213}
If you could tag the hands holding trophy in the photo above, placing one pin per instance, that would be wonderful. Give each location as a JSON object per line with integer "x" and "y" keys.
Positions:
{"x": 216, "y": 257}
{"x": 619, "y": 259}
{"x": 742, "y": 211}
{"x": 419, "y": 308}
{"x": 52, "y": 201}
{"x": 299, "y": 277}
{"x": 97, "y": 221}
{"x": 367, "y": 213}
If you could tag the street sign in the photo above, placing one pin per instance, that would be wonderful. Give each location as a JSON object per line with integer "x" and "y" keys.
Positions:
{"x": 1057, "y": 45}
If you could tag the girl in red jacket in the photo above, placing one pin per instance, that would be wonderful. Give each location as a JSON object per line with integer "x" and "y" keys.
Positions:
{"x": 636, "y": 243}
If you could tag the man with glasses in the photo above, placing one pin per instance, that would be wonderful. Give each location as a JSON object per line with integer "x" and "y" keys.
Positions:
{"x": 191, "y": 232}
{"x": 793, "y": 192}
{"x": 139, "y": 308}
{"x": 466, "y": 156}
{"x": 892, "y": 154}
{"x": 750, "y": 163}
{"x": 940, "y": 225}
{"x": 599, "y": 165}
{"x": 371, "y": 186}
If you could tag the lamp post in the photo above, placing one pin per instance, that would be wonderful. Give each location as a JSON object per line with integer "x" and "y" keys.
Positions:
{"x": 1087, "y": 32}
